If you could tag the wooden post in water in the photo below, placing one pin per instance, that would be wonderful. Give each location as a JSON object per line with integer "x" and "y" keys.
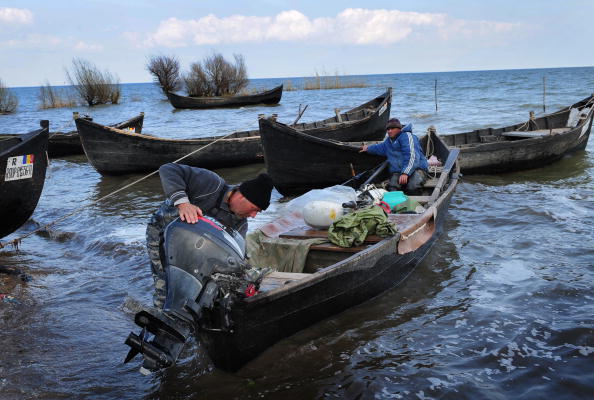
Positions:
{"x": 544, "y": 93}
{"x": 435, "y": 90}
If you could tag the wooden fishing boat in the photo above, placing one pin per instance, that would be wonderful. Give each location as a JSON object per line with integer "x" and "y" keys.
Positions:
{"x": 531, "y": 144}
{"x": 113, "y": 151}
{"x": 62, "y": 144}
{"x": 334, "y": 278}
{"x": 268, "y": 97}
{"x": 207, "y": 284}
{"x": 23, "y": 162}
{"x": 297, "y": 161}
{"x": 364, "y": 122}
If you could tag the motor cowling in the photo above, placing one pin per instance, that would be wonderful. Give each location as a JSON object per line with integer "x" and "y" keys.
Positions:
{"x": 193, "y": 256}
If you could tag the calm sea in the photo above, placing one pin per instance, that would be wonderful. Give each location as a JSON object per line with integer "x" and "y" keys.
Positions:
{"x": 502, "y": 308}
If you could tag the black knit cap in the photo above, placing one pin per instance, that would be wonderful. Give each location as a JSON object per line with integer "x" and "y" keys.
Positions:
{"x": 258, "y": 190}
{"x": 393, "y": 123}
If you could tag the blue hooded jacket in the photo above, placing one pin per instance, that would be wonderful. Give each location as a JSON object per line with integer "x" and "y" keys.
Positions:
{"x": 404, "y": 152}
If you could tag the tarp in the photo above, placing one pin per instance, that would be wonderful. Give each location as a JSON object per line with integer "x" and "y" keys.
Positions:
{"x": 352, "y": 229}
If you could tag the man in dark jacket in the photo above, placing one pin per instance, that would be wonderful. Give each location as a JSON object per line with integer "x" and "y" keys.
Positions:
{"x": 195, "y": 192}
{"x": 402, "y": 148}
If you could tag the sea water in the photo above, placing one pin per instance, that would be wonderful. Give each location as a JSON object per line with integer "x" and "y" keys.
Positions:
{"x": 501, "y": 308}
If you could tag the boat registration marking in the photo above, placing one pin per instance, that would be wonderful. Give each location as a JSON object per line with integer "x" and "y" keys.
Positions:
{"x": 19, "y": 167}
{"x": 383, "y": 108}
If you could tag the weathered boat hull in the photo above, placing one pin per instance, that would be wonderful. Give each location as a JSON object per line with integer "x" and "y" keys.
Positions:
{"x": 19, "y": 196}
{"x": 61, "y": 144}
{"x": 364, "y": 122}
{"x": 514, "y": 153}
{"x": 262, "y": 320}
{"x": 268, "y": 97}
{"x": 297, "y": 161}
{"x": 114, "y": 152}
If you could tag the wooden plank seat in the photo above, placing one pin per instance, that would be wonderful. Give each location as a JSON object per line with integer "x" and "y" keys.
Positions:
{"x": 533, "y": 134}
{"x": 277, "y": 279}
{"x": 431, "y": 183}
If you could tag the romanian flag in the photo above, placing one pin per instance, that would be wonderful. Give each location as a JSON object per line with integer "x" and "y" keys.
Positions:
{"x": 28, "y": 159}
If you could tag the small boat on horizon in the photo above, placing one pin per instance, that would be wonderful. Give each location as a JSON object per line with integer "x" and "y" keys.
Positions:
{"x": 268, "y": 97}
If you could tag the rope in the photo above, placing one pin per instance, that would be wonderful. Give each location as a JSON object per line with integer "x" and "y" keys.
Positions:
{"x": 15, "y": 242}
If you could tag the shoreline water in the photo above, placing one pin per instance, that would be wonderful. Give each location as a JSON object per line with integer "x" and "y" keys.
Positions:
{"x": 500, "y": 308}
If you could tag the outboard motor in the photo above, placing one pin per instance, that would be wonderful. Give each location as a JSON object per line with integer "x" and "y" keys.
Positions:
{"x": 199, "y": 261}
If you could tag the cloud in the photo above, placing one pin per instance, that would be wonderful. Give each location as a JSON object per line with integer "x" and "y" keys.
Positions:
{"x": 352, "y": 26}
{"x": 36, "y": 41}
{"x": 33, "y": 41}
{"x": 15, "y": 15}
{"x": 83, "y": 46}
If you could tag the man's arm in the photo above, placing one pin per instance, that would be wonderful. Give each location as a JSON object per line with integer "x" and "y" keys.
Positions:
{"x": 180, "y": 182}
{"x": 379, "y": 149}
{"x": 408, "y": 153}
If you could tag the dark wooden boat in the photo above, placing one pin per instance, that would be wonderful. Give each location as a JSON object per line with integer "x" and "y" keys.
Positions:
{"x": 297, "y": 161}
{"x": 334, "y": 278}
{"x": 210, "y": 294}
{"x": 23, "y": 162}
{"x": 114, "y": 151}
{"x": 364, "y": 122}
{"x": 531, "y": 144}
{"x": 62, "y": 144}
{"x": 269, "y": 97}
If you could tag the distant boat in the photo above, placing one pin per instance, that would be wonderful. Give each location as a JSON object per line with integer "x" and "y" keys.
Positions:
{"x": 268, "y": 97}
{"x": 235, "y": 322}
{"x": 62, "y": 144}
{"x": 297, "y": 161}
{"x": 23, "y": 162}
{"x": 113, "y": 151}
{"x": 534, "y": 143}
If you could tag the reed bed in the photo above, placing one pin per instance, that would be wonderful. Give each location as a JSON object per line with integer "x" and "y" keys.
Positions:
{"x": 323, "y": 82}
{"x": 50, "y": 97}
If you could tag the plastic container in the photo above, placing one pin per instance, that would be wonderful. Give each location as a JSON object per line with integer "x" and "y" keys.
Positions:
{"x": 394, "y": 198}
{"x": 321, "y": 214}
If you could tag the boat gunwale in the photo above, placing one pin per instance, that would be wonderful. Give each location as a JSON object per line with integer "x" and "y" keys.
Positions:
{"x": 431, "y": 213}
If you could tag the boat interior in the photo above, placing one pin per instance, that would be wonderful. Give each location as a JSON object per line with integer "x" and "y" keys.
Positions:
{"x": 351, "y": 116}
{"x": 322, "y": 254}
{"x": 9, "y": 141}
{"x": 552, "y": 124}
{"x": 415, "y": 225}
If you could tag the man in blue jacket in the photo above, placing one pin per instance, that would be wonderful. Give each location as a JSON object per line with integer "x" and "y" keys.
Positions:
{"x": 408, "y": 164}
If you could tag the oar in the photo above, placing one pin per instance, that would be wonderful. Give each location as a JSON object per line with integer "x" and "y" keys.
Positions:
{"x": 378, "y": 170}
{"x": 300, "y": 114}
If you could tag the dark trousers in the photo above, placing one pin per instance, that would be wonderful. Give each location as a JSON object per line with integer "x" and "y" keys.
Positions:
{"x": 414, "y": 185}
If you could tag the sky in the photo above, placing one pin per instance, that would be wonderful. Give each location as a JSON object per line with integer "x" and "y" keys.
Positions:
{"x": 282, "y": 38}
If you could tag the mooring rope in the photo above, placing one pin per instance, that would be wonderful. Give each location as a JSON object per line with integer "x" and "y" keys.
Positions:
{"x": 15, "y": 242}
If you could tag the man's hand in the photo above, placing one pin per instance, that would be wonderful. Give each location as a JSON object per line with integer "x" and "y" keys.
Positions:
{"x": 189, "y": 212}
{"x": 403, "y": 180}
{"x": 363, "y": 148}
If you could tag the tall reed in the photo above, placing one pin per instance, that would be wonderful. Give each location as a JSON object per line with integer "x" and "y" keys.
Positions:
{"x": 93, "y": 86}
{"x": 8, "y": 100}
{"x": 50, "y": 97}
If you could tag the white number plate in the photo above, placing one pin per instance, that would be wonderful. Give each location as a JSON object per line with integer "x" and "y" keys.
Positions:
{"x": 19, "y": 167}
